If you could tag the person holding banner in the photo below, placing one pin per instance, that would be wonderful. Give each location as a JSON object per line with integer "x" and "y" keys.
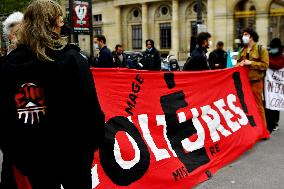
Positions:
{"x": 51, "y": 120}
{"x": 276, "y": 62}
{"x": 256, "y": 58}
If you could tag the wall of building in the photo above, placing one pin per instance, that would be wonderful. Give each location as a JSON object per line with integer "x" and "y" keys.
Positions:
{"x": 218, "y": 16}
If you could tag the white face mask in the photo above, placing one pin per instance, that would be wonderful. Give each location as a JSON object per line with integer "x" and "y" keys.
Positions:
{"x": 274, "y": 51}
{"x": 96, "y": 46}
{"x": 246, "y": 39}
{"x": 210, "y": 44}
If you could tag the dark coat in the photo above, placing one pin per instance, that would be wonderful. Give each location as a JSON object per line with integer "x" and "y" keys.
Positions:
{"x": 218, "y": 59}
{"x": 117, "y": 62}
{"x": 48, "y": 107}
{"x": 151, "y": 60}
{"x": 105, "y": 58}
{"x": 198, "y": 60}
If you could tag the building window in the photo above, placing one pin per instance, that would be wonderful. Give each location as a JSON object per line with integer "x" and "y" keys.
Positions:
{"x": 98, "y": 31}
{"x": 137, "y": 37}
{"x": 97, "y": 18}
{"x": 165, "y": 36}
{"x": 136, "y": 13}
{"x": 164, "y": 10}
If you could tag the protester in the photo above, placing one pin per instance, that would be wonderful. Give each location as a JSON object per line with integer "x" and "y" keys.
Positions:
{"x": 10, "y": 27}
{"x": 276, "y": 62}
{"x": 104, "y": 60}
{"x": 119, "y": 57}
{"x": 51, "y": 120}
{"x": 151, "y": 57}
{"x": 198, "y": 60}
{"x": 218, "y": 57}
{"x": 256, "y": 58}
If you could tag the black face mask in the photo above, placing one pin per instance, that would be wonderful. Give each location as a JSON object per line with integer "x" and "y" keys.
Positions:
{"x": 65, "y": 30}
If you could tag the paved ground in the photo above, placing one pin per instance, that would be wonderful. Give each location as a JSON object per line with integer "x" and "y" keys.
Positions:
{"x": 260, "y": 168}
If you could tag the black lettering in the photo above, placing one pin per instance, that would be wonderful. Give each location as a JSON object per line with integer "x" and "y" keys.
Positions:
{"x": 176, "y": 175}
{"x": 133, "y": 98}
{"x": 240, "y": 93}
{"x": 118, "y": 175}
{"x": 212, "y": 150}
{"x": 176, "y": 132}
{"x": 184, "y": 171}
{"x": 217, "y": 147}
{"x": 135, "y": 87}
{"x": 129, "y": 109}
{"x": 169, "y": 78}
{"x": 139, "y": 79}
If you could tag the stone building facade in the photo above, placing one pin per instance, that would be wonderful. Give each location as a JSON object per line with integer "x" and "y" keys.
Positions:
{"x": 170, "y": 23}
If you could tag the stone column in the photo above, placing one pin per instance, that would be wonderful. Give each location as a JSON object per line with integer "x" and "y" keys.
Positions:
{"x": 145, "y": 35}
{"x": 262, "y": 27}
{"x": 118, "y": 24}
{"x": 175, "y": 29}
{"x": 211, "y": 21}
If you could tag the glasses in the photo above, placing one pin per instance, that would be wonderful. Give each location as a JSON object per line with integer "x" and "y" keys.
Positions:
{"x": 149, "y": 44}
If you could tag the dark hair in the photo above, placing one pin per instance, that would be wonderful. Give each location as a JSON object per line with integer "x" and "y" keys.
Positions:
{"x": 276, "y": 43}
{"x": 151, "y": 41}
{"x": 220, "y": 44}
{"x": 117, "y": 46}
{"x": 203, "y": 36}
{"x": 252, "y": 33}
{"x": 101, "y": 38}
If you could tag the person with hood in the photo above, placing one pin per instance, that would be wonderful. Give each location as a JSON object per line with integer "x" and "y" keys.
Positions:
{"x": 256, "y": 58}
{"x": 276, "y": 62}
{"x": 151, "y": 57}
{"x": 51, "y": 120}
{"x": 198, "y": 60}
{"x": 10, "y": 27}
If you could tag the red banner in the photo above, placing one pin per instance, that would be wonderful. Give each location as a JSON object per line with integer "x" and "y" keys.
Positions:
{"x": 172, "y": 130}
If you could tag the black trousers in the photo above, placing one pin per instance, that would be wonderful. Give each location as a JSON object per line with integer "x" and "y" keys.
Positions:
{"x": 49, "y": 169}
{"x": 272, "y": 119}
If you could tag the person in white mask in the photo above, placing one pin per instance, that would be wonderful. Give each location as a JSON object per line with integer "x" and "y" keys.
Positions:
{"x": 256, "y": 58}
{"x": 10, "y": 27}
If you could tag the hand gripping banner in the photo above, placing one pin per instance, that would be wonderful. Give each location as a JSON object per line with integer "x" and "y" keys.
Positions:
{"x": 172, "y": 129}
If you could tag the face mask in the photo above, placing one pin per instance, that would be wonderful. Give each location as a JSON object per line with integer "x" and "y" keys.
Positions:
{"x": 274, "y": 51}
{"x": 245, "y": 39}
{"x": 96, "y": 46}
{"x": 210, "y": 44}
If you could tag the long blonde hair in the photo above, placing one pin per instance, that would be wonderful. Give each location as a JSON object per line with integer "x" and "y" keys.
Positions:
{"x": 36, "y": 30}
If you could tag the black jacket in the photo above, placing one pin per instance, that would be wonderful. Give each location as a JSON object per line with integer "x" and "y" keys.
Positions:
{"x": 105, "y": 59}
{"x": 117, "y": 62}
{"x": 218, "y": 59}
{"x": 48, "y": 105}
{"x": 198, "y": 60}
{"x": 151, "y": 60}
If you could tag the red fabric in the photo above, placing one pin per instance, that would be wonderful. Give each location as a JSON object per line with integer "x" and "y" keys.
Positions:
{"x": 276, "y": 62}
{"x": 202, "y": 90}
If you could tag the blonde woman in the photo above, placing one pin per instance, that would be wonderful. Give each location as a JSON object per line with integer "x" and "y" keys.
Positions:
{"x": 51, "y": 121}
